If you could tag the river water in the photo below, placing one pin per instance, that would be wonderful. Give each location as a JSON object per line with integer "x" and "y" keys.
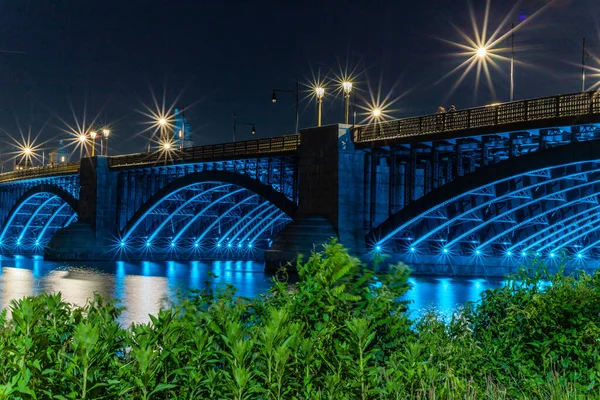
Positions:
{"x": 141, "y": 287}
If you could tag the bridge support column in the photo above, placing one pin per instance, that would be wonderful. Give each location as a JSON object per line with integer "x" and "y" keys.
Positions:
{"x": 331, "y": 197}
{"x": 91, "y": 236}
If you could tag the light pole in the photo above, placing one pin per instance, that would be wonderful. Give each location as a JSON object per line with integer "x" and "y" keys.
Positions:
{"x": 236, "y": 123}
{"x": 295, "y": 91}
{"x": 93, "y": 135}
{"x": 584, "y": 57}
{"x": 319, "y": 92}
{"x": 512, "y": 62}
{"x": 105, "y": 134}
{"x": 347, "y": 89}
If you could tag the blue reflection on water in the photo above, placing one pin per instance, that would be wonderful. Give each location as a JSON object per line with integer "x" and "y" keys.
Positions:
{"x": 141, "y": 287}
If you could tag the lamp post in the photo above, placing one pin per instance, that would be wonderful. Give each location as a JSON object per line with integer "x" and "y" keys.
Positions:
{"x": 319, "y": 92}
{"x": 347, "y": 89}
{"x": 584, "y": 57}
{"x": 105, "y": 134}
{"x": 236, "y": 123}
{"x": 93, "y": 135}
{"x": 295, "y": 91}
{"x": 512, "y": 62}
{"x": 82, "y": 142}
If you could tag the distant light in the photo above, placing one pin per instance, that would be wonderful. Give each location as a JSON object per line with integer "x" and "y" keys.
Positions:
{"x": 551, "y": 254}
{"x": 412, "y": 249}
{"x": 37, "y": 243}
{"x": 93, "y": 135}
{"x": 579, "y": 255}
{"x": 378, "y": 247}
{"x": 249, "y": 245}
{"x": 148, "y": 244}
{"x": 122, "y": 243}
{"x": 445, "y": 250}
{"x": 481, "y": 52}
{"x": 105, "y": 132}
{"x": 239, "y": 245}
{"x": 162, "y": 121}
{"x": 228, "y": 244}
{"x": 347, "y": 86}
{"x": 82, "y": 137}
{"x": 218, "y": 244}
{"x": 376, "y": 112}
{"x": 320, "y": 92}
{"x": 478, "y": 252}
{"x": 27, "y": 151}
{"x": 172, "y": 244}
{"x": 166, "y": 145}
{"x": 508, "y": 253}
{"x": 196, "y": 244}
{"x": 524, "y": 254}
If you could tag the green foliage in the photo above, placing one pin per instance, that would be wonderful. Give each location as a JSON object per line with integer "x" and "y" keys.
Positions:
{"x": 340, "y": 332}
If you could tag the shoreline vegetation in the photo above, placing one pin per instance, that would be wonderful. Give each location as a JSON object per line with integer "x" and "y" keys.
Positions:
{"x": 339, "y": 332}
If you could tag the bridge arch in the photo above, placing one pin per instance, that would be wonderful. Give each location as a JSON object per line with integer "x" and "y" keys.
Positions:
{"x": 539, "y": 204}
{"x": 210, "y": 209}
{"x": 36, "y": 216}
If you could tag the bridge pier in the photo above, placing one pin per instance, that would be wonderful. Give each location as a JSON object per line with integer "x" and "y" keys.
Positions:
{"x": 92, "y": 236}
{"x": 331, "y": 197}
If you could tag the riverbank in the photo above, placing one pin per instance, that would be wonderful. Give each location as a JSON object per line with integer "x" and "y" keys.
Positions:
{"x": 337, "y": 333}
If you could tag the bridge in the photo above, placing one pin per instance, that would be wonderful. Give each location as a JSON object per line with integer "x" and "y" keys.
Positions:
{"x": 474, "y": 192}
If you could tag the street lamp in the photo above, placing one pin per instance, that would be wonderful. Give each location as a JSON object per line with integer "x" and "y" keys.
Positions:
{"x": 236, "y": 122}
{"x": 295, "y": 91}
{"x": 93, "y": 135}
{"x": 82, "y": 142}
{"x": 319, "y": 92}
{"x": 481, "y": 52}
{"x": 376, "y": 113}
{"x": 347, "y": 89}
{"x": 105, "y": 134}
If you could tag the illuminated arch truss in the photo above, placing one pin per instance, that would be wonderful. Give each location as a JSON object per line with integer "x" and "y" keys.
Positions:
{"x": 33, "y": 221}
{"x": 542, "y": 213}
{"x": 205, "y": 217}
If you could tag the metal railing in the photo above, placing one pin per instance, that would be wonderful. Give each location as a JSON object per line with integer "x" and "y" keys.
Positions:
{"x": 250, "y": 148}
{"x": 40, "y": 172}
{"x": 565, "y": 105}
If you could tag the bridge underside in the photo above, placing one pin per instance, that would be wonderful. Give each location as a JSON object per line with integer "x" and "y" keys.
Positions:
{"x": 33, "y": 222}
{"x": 541, "y": 206}
{"x": 203, "y": 220}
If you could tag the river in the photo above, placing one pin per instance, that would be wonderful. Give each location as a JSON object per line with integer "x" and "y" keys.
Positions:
{"x": 141, "y": 287}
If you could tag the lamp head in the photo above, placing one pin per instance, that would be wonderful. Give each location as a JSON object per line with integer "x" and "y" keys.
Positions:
{"x": 347, "y": 87}
{"x": 166, "y": 146}
{"x": 82, "y": 137}
{"x": 481, "y": 52}
{"x": 105, "y": 132}
{"x": 274, "y": 98}
{"x": 253, "y": 130}
{"x": 93, "y": 135}
{"x": 162, "y": 121}
{"x": 376, "y": 112}
{"x": 320, "y": 92}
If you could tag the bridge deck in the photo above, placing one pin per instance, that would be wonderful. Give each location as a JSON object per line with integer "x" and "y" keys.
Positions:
{"x": 560, "y": 110}
{"x": 40, "y": 172}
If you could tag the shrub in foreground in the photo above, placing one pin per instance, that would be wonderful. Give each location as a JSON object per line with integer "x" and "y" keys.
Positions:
{"x": 340, "y": 332}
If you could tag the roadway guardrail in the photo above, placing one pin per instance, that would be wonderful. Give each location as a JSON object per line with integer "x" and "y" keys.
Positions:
{"x": 40, "y": 172}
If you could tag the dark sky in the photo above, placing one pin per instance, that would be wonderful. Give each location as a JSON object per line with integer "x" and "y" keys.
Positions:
{"x": 228, "y": 55}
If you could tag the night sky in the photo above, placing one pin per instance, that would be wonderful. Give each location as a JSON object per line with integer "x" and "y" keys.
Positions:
{"x": 106, "y": 56}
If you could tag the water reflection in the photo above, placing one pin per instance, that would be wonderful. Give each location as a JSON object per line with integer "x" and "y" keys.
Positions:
{"x": 141, "y": 287}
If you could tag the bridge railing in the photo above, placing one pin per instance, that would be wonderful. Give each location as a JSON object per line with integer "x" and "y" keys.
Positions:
{"x": 566, "y": 105}
{"x": 249, "y": 148}
{"x": 40, "y": 172}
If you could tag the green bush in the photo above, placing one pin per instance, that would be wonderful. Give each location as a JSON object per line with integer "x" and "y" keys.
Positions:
{"x": 340, "y": 332}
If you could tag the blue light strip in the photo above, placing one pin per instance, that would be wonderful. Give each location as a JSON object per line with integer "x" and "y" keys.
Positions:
{"x": 258, "y": 225}
{"x": 568, "y": 242}
{"x": 12, "y": 217}
{"x": 192, "y": 220}
{"x": 528, "y": 220}
{"x": 49, "y": 222}
{"x": 32, "y": 217}
{"x": 250, "y": 222}
{"x": 244, "y": 218}
{"x": 480, "y": 189}
{"x": 585, "y": 249}
{"x": 181, "y": 207}
{"x": 216, "y": 221}
{"x": 521, "y": 244}
{"x": 489, "y": 221}
{"x": 267, "y": 226}
{"x": 159, "y": 202}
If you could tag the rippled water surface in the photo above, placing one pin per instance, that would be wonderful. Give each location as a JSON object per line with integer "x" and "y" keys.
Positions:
{"x": 141, "y": 286}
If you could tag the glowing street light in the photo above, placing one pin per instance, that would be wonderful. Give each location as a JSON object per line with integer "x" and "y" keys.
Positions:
{"x": 320, "y": 93}
{"x": 105, "y": 134}
{"x": 162, "y": 121}
{"x": 166, "y": 146}
{"x": 93, "y": 135}
{"x": 236, "y": 123}
{"x": 376, "y": 113}
{"x": 347, "y": 89}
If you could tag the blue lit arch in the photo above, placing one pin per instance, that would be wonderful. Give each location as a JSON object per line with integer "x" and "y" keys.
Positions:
{"x": 211, "y": 210}
{"x": 35, "y": 217}
{"x": 539, "y": 204}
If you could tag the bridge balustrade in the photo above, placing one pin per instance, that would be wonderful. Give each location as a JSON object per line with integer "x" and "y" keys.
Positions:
{"x": 39, "y": 172}
{"x": 250, "y": 148}
{"x": 567, "y": 105}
